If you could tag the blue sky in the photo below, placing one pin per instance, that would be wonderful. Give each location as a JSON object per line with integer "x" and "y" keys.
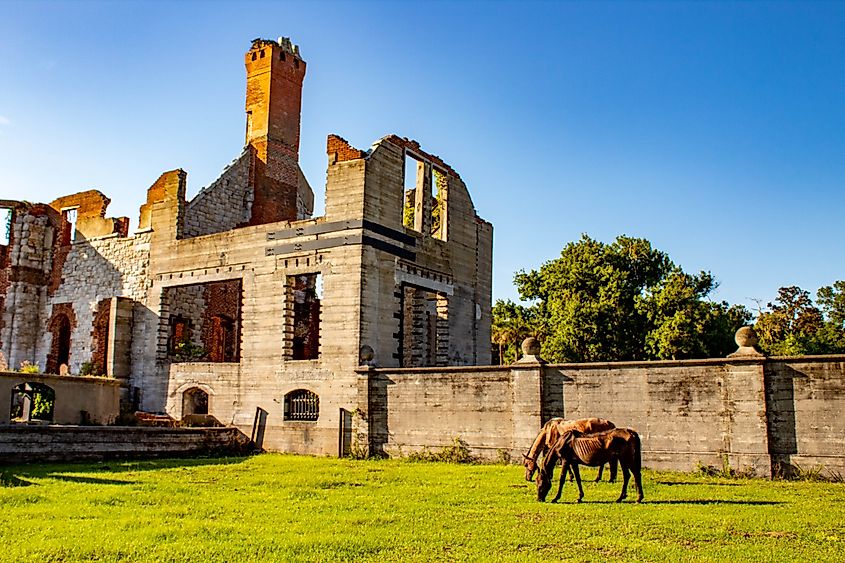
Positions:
{"x": 715, "y": 130}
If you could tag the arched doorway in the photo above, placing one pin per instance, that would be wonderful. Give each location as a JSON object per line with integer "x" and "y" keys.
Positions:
{"x": 194, "y": 401}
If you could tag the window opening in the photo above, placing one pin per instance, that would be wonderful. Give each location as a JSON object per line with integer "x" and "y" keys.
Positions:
{"x": 425, "y": 328}
{"x": 222, "y": 339}
{"x": 5, "y": 226}
{"x": 194, "y": 401}
{"x": 32, "y": 402}
{"x": 414, "y": 187}
{"x": 439, "y": 189}
{"x": 302, "y": 405}
{"x": 61, "y": 335}
{"x": 203, "y": 322}
{"x": 69, "y": 215}
{"x": 304, "y": 295}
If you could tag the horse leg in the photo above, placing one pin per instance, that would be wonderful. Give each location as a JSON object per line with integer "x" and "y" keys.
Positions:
{"x": 625, "y": 476}
{"x": 638, "y": 481}
{"x": 578, "y": 480}
{"x": 614, "y": 464}
{"x": 563, "y": 471}
{"x": 601, "y": 469}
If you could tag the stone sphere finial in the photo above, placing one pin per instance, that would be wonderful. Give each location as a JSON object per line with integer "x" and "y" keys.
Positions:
{"x": 746, "y": 339}
{"x": 531, "y": 346}
{"x": 366, "y": 354}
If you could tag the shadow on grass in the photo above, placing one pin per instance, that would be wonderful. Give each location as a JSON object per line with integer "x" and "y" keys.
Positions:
{"x": 696, "y": 483}
{"x": 88, "y": 480}
{"x": 20, "y": 475}
{"x": 716, "y": 501}
{"x": 685, "y": 501}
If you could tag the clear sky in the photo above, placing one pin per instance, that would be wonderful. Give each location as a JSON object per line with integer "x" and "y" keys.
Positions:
{"x": 715, "y": 130}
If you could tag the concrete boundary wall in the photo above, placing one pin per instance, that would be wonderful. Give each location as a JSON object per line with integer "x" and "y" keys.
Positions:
{"x": 26, "y": 444}
{"x": 98, "y": 397}
{"x": 765, "y": 416}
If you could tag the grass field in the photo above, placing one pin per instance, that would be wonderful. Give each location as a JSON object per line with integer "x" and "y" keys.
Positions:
{"x": 296, "y": 508}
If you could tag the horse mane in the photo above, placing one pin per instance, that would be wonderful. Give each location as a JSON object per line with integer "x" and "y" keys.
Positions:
{"x": 542, "y": 439}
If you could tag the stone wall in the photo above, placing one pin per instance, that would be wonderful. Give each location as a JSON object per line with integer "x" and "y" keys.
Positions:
{"x": 97, "y": 396}
{"x": 60, "y": 444}
{"x": 756, "y": 415}
{"x": 805, "y": 402}
{"x": 224, "y": 204}
{"x": 97, "y": 269}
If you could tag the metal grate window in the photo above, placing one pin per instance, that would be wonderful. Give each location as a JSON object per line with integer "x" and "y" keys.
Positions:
{"x": 302, "y": 405}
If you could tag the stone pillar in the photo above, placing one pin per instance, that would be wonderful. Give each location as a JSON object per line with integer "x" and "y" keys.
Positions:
{"x": 527, "y": 402}
{"x": 744, "y": 419}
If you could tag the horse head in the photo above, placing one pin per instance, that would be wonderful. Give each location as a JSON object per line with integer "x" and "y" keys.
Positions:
{"x": 530, "y": 466}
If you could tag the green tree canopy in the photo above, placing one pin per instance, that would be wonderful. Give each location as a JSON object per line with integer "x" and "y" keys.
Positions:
{"x": 624, "y": 301}
{"x": 793, "y": 326}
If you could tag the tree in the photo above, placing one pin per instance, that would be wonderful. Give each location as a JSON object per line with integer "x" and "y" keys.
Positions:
{"x": 512, "y": 324}
{"x": 625, "y": 301}
{"x": 794, "y": 326}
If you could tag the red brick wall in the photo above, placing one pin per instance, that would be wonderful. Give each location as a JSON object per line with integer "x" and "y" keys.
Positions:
{"x": 100, "y": 335}
{"x": 222, "y": 299}
{"x": 59, "y": 310}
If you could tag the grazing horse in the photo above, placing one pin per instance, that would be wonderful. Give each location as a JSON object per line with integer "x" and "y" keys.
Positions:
{"x": 551, "y": 432}
{"x": 574, "y": 448}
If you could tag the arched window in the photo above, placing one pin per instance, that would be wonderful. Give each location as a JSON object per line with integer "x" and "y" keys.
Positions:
{"x": 194, "y": 401}
{"x": 302, "y": 405}
{"x": 32, "y": 401}
{"x": 60, "y": 327}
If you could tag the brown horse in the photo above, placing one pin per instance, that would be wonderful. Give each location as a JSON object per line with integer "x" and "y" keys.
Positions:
{"x": 574, "y": 448}
{"x": 551, "y": 432}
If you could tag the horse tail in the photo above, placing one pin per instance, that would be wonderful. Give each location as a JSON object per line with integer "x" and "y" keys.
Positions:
{"x": 637, "y": 461}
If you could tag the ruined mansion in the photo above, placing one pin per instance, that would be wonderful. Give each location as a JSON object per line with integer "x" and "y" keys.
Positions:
{"x": 367, "y": 328}
{"x": 240, "y": 305}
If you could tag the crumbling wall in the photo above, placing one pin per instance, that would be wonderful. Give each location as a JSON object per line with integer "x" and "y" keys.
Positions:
{"x": 94, "y": 270}
{"x": 224, "y": 204}
{"x": 91, "y": 220}
{"x": 31, "y": 260}
{"x": 451, "y": 263}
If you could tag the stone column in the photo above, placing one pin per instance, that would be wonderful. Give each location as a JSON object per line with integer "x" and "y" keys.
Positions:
{"x": 527, "y": 389}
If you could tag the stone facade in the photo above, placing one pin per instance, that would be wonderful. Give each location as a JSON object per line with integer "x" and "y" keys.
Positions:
{"x": 263, "y": 302}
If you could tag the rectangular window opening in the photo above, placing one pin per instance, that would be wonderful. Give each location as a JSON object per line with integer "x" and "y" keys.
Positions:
{"x": 5, "y": 226}
{"x": 69, "y": 215}
{"x": 204, "y": 322}
{"x": 305, "y": 294}
{"x": 439, "y": 189}
{"x": 425, "y": 328}
{"x": 414, "y": 186}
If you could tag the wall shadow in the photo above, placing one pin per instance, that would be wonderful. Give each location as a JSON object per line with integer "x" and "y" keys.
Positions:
{"x": 780, "y": 419}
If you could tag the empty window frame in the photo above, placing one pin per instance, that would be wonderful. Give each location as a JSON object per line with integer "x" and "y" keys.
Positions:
{"x": 439, "y": 196}
{"x": 304, "y": 296}
{"x": 204, "y": 321}
{"x": 425, "y": 328}
{"x": 302, "y": 405}
{"x": 32, "y": 401}
{"x": 194, "y": 401}
{"x": 69, "y": 225}
{"x": 414, "y": 193}
{"x": 6, "y": 216}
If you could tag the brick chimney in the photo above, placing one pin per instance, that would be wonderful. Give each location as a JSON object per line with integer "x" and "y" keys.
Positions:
{"x": 274, "y": 75}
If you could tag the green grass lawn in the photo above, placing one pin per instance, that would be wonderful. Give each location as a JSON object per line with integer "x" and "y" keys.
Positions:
{"x": 284, "y": 507}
